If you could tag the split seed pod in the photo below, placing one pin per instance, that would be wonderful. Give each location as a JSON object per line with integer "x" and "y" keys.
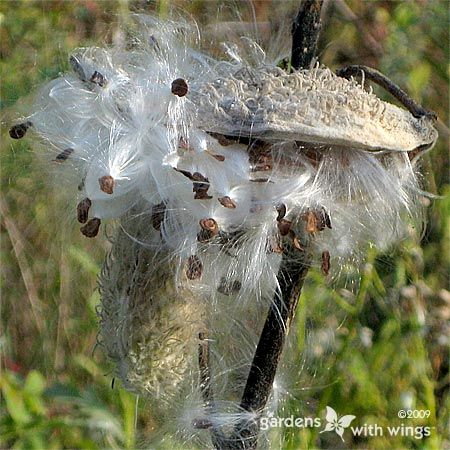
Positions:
{"x": 311, "y": 106}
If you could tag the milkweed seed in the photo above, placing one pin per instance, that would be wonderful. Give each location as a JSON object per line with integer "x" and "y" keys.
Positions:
{"x": 227, "y": 202}
{"x": 179, "y": 87}
{"x": 220, "y": 158}
{"x": 98, "y": 78}
{"x": 63, "y": 155}
{"x": 284, "y": 226}
{"x": 209, "y": 225}
{"x": 200, "y": 187}
{"x": 157, "y": 215}
{"x": 184, "y": 172}
{"x": 317, "y": 220}
{"x": 281, "y": 209}
{"x": 296, "y": 241}
{"x": 106, "y": 184}
{"x": 19, "y": 130}
{"x": 83, "y": 210}
{"x": 201, "y": 195}
{"x": 90, "y": 230}
{"x": 194, "y": 268}
{"x": 311, "y": 222}
{"x": 77, "y": 68}
{"x": 326, "y": 262}
{"x": 223, "y": 140}
{"x": 208, "y": 231}
{"x": 275, "y": 245}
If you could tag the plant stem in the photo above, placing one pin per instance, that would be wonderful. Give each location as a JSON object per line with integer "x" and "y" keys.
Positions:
{"x": 305, "y": 34}
{"x": 291, "y": 275}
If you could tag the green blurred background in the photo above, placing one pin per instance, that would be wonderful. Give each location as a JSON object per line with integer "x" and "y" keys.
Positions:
{"x": 367, "y": 353}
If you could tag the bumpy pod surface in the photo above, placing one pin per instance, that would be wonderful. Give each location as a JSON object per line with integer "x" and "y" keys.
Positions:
{"x": 147, "y": 326}
{"x": 311, "y": 105}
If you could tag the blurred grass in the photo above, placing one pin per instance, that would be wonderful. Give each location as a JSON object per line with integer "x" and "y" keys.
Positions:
{"x": 368, "y": 354}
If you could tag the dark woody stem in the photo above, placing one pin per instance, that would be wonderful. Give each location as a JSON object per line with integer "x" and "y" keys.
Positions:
{"x": 265, "y": 362}
{"x": 305, "y": 34}
{"x": 377, "y": 77}
{"x": 291, "y": 275}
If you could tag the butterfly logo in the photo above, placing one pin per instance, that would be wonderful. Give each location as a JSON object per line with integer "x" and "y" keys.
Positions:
{"x": 337, "y": 424}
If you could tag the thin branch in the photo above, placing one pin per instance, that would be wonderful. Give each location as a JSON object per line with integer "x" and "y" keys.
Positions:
{"x": 291, "y": 276}
{"x": 377, "y": 77}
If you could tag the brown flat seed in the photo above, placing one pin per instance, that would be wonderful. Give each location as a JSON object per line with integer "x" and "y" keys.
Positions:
{"x": 77, "y": 67}
{"x": 83, "y": 210}
{"x": 179, "y": 87}
{"x": 98, "y": 78}
{"x": 220, "y": 158}
{"x": 185, "y": 173}
{"x": 19, "y": 130}
{"x": 209, "y": 225}
{"x": 197, "y": 176}
{"x": 317, "y": 220}
{"x": 275, "y": 245}
{"x": 158, "y": 214}
{"x": 281, "y": 209}
{"x": 208, "y": 231}
{"x": 200, "y": 187}
{"x": 106, "y": 184}
{"x": 201, "y": 194}
{"x": 63, "y": 155}
{"x": 295, "y": 241}
{"x": 90, "y": 230}
{"x": 284, "y": 226}
{"x": 313, "y": 222}
{"x": 326, "y": 262}
{"x": 194, "y": 268}
{"x": 223, "y": 140}
{"x": 227, "y": 202}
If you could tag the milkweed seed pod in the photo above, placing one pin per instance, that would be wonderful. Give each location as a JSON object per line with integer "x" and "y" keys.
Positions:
{"x": 148, "y": 326}
{"x": 214, "y": 168}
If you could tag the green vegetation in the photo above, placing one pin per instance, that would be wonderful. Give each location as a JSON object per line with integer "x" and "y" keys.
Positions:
{"x": 369, "y": 353}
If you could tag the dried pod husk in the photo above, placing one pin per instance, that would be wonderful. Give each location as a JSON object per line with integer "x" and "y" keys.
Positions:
{"x": 148, "y": 327}
{"x": 311, "y": 106}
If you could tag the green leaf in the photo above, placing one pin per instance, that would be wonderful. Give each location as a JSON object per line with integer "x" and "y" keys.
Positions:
{"x": 14, "y": 401}
{"x": 34, "y": 384}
